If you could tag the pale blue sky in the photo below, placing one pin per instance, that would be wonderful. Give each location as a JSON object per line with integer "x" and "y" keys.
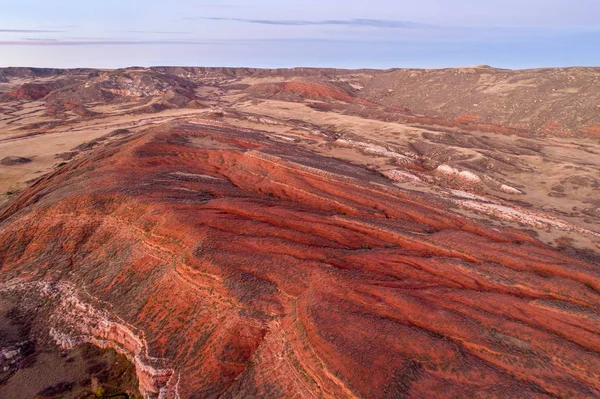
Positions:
{"x": 267, "y": 33}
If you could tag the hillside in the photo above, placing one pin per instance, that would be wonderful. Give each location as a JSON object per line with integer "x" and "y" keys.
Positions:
{"x": 235, "y": 233}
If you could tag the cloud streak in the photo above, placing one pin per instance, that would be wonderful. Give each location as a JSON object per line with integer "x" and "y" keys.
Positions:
{"x": 224, "y": 6}
{"x": 51, "y": 42}
{"x": 158, "y": 32}
{"x": 29, "y": 31}
{"x": 370, "y": 23}
{"x": 55, "y": 42}
{"x": 130, "y": 42}
{"x": 37, "y": 39}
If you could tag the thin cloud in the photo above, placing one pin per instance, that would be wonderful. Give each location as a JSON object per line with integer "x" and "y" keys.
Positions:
{"x": 55, "y": 42}
{"x": 37, "y": 39}
{"x": 158, "y": 32}
{"x": 52, "y": 26}
{"x": 129, "y": 42}
{"x": 29, "y": 31}
{"x": 371, "y": 23}
{"x": 224, "y": 6}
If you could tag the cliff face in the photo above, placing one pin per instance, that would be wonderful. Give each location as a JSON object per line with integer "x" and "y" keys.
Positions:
{"x": 70, "y": 322}
{"x": 226, "y": 264}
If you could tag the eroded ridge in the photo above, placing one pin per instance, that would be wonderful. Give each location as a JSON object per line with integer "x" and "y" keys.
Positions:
{"x": 258, "y": 269}
{"x": 73, "y": 321}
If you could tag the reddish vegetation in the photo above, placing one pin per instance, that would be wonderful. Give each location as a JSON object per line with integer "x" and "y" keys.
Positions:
{"x": 257, "y": 269}
{"x": 467, "y": 118}
{"x": 554, "y": 127}
{"x": 593, "y": 131}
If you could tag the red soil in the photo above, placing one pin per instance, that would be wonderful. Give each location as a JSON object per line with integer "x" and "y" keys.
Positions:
{"x": 261, "y": 270}
{"x": 30, "y": 91}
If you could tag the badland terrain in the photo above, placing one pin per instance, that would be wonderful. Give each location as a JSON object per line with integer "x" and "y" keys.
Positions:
{"x": 177, "y": 232}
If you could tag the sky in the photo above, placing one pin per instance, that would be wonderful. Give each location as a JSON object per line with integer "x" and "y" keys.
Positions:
{"x": 512, "y": 34}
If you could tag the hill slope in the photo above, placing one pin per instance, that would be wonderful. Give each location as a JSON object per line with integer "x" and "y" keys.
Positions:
{"x": 226, "y": 264}
{"x": 299, "y": 233}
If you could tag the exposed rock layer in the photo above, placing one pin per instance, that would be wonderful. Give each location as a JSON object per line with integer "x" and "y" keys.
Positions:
{"x": 257, "y": 269}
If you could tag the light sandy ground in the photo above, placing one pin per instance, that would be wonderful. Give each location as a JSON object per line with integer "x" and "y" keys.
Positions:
{"x": 43, "y": 148}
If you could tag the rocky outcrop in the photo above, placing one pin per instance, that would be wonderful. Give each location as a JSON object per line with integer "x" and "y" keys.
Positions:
{"x": 128, "y": 85}
{"x": 72, "y": 322}
{"x": 227, "y": 264}
{"x": 30, "y": 92}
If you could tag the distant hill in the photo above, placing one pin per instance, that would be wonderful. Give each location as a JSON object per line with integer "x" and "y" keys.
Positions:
{"x": 555, "y": 101}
